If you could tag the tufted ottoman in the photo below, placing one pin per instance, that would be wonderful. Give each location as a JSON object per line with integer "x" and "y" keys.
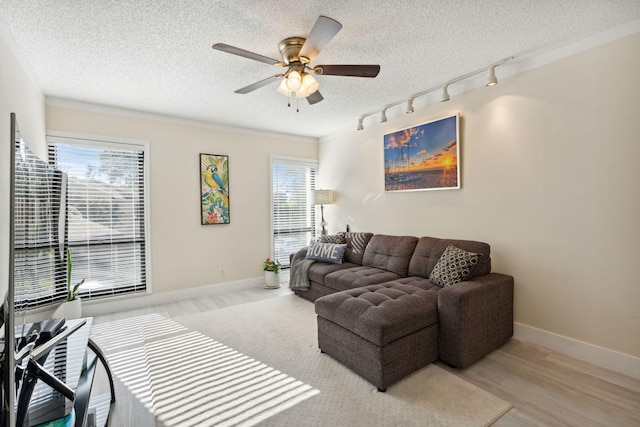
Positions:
{"x": 381, "y": 332}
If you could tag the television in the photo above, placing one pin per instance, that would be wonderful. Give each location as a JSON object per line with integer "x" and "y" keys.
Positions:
{"x": 37, "y": 265}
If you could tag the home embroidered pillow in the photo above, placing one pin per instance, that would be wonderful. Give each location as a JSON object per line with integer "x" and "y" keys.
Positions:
{"x": 326, "y": 252}
{"x": 454, "y": 266}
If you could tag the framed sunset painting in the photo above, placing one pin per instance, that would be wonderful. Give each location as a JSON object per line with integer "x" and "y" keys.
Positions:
{"x": 423, "y": 157}
{"x": 214, "y": 186}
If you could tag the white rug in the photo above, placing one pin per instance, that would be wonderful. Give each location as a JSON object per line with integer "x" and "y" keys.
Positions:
{"x": 259, "y": 364}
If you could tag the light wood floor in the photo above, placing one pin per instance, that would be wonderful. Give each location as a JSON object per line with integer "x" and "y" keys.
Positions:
{"x": 546, "y": 388}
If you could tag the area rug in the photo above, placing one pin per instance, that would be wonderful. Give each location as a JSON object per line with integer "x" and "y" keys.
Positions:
{"x": 259, "y": 364}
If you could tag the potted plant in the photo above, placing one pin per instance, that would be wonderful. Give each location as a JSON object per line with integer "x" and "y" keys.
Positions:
{"x": 271, "y": 273}
{"x": 71, "y": 308}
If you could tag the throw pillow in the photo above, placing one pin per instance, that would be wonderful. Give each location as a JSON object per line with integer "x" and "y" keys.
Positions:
{"x": 454, "y": 266}
{"x": 333, "y": 238}
{"x": 326, "y": 252}
{"x": 358, "y": 241}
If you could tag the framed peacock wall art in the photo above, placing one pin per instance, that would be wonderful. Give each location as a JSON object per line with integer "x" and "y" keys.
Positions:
{"x": 214, "y": 187}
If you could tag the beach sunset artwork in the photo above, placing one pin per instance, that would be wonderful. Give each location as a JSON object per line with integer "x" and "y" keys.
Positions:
{"x": 423, "y": 157}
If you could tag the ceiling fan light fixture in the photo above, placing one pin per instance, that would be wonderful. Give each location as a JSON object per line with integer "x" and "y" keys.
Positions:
{"x": 294, "y": 80}
{"x": 309, "y": 85}
{"x": 283, "y": 89}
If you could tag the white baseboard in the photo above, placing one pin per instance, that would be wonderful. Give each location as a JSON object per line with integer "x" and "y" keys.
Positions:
{"x": 116, "y": 305}
{"x": 599, "y": 356}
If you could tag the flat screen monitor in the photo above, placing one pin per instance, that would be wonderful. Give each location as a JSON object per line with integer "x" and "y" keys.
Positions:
{"x": 37, "y": 256}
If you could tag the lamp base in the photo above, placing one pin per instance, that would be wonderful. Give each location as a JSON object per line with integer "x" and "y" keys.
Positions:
{"x": 323, "y": 222}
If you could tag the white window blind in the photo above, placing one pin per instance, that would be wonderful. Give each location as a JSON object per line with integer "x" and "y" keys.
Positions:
{"x": 39, "y": 231}
{"x": 293, "y": 217}
{"x": 106, "y": 214}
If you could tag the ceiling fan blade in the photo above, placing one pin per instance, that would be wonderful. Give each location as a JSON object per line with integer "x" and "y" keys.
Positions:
{"x": 258, "y": 85}
{"x": 315, "y": 97}
{"x": 348, "y": 70}
{"x": 245, "y": 53}
{"x": 322, "y": 32}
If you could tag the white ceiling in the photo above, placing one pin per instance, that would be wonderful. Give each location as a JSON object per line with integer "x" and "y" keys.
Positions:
{"x": 155, "y": 55}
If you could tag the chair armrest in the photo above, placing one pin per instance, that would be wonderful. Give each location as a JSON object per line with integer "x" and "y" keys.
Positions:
{"x": 475, "y": 317}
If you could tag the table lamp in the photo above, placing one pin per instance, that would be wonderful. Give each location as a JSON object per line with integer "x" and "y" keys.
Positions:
{"x": 323, "y": 197}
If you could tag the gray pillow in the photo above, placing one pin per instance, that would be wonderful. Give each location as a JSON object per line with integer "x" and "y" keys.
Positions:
{"x": 454, "y": 266}
{"x": 326, "y": 252}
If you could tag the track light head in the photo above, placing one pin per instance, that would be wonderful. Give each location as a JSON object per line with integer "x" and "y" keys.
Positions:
{"x": 410, "y": 106}
{"x": 360, "y": 125}
{"x": 383, "y": 116}
{"x": 444, "y": 96}
{"x": 491, "y": 76}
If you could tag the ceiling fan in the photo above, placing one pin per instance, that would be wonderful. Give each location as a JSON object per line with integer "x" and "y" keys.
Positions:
{"x": 297, "y": 54}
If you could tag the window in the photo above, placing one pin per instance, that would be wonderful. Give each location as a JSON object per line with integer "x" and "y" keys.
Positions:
{"x": 106, "y": 196}
{"x": 293, "y": 213}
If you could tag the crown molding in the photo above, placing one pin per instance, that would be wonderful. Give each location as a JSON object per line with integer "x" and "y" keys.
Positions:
{"x": 136, "y": 114}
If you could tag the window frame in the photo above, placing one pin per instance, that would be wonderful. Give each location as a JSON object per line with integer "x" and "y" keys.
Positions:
{"x": 115, "y": 143}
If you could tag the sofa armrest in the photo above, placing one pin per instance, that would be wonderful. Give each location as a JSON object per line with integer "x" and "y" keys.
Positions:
{"x": 475, "y": 317}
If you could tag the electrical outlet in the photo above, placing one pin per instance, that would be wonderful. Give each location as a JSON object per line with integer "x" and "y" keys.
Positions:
{"x": 221, "y": 272}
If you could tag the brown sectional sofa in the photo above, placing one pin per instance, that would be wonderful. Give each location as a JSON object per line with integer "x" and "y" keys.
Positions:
{"x": 381, "y": 316}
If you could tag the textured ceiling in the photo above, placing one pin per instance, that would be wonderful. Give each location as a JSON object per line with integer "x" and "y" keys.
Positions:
{"x": 155, "y": 55}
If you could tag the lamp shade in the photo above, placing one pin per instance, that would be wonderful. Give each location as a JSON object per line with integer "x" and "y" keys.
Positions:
{"x": 294, "y": 80}
{"x": 309, "y": 86}
{"x": 323, "y": 197}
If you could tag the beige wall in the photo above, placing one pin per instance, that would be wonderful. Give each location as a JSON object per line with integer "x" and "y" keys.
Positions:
{"x": 18, "y": 95}
{"x": 185, "y": 254}
{"x": 550, "y": 178}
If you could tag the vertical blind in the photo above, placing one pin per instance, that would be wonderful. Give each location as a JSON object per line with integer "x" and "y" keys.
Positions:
{"x": 293, "y": 215}
{"x": 39, "y": 231}
{"x": 106, "y": 214}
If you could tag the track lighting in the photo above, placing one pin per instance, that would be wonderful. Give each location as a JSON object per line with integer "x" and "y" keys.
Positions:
{"x": 491, "y": 76}
{"x": 443, "y": 88}
{"x": 444, "y": 97}
{"x": 410, "y": 106}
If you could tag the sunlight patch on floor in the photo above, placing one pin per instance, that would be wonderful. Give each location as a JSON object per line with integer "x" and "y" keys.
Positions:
{"x": 189, "y": 379}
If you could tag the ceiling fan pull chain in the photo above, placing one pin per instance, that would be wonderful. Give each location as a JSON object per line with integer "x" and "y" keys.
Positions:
{"x": 297, "y": 109}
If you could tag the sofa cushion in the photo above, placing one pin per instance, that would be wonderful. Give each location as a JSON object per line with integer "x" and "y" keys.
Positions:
{"x": 415, "y": 281}
{"x": 326, "y": 252}
{"x": 350, "y": 278}
{"x": 356, "y": 244}
{"x": 454, "y": 266}
{"x": 318, "y": 271}
{"x": 381, "y": 313}
{"x": 391, "y": 253}
{"x": 429, "y": 250}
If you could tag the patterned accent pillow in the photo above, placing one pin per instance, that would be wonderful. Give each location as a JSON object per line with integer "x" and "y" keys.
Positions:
{"x": 358, "y": 241}
{"x": 326, "y": 252}
{"x": 333, "y": 238}
{"x": 454, "y": 266}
